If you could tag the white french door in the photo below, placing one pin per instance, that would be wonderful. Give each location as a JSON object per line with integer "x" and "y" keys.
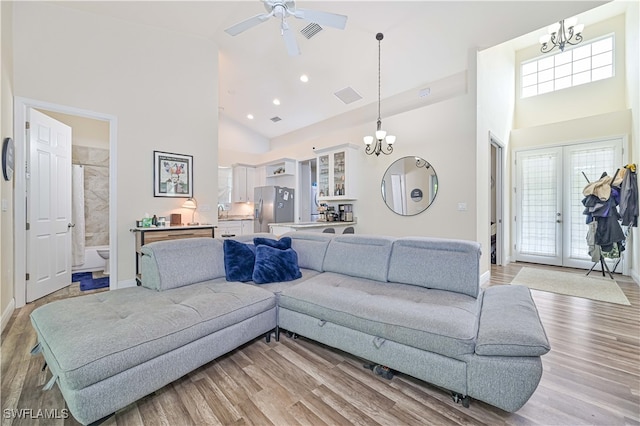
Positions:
{"x": 550, "y": 225}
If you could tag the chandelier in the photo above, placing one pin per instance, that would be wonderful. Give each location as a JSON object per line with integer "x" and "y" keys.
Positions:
{"x": 380, "y": 135}
{"x": 560, "y": 34}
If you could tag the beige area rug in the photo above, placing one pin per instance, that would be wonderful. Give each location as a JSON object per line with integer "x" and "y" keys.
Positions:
{"x": 571, "y": 284}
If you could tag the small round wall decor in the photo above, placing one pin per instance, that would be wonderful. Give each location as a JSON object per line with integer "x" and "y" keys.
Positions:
{"x": 416, "y": 195}
{"x": 8, "y": 158}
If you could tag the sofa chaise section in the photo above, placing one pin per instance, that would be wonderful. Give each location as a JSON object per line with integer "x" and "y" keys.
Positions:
{"x": 109, "y": 349}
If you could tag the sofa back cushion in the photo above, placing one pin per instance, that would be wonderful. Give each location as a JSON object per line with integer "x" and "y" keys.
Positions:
{"x": 443, "y": 264}
{"x": 248, "y": 238}
{"x": 176, "y": 263}
{"x": 311, "y": 248}
{"x": 363, "y": 256}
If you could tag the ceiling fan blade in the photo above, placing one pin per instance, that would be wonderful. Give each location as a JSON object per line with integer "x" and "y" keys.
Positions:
{"x": 290, "y": 40}
{"x": 322, "y": 18}
{"x": 247, "y": 24}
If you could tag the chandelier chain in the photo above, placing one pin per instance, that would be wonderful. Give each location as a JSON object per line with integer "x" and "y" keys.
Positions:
{"x": 379, "y": 50}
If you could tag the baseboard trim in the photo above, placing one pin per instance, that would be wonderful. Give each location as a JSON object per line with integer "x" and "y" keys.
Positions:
{"x": 485, "y": 278}
{"x": 125, "y": 284}
{"x": 6, "y": 315}
{"x": 635, "y": 276}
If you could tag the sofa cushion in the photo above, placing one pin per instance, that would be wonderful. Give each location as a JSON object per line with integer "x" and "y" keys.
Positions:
{"x": 439, "y": 321}
{"x": 282, "y": 244}
{"x": 311, "y": 248}
{"x": 239, "y": 259}
{"x": 169, "y": 264}
{"x": 363, "y": 256}
{"x": 123, "y": 328}
{"x": 509, "y": 324}
{"x": 444, "y": 264}
{"x": 275, "y": 265}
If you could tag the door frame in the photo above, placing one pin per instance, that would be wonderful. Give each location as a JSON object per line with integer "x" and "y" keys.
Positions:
{"x": 300, "y": 184}
{"x": 21, "y": 105}
{"x": 499, "y": 203}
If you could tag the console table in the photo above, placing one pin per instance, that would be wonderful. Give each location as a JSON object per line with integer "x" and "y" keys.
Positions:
{"x": 150, "y": 235}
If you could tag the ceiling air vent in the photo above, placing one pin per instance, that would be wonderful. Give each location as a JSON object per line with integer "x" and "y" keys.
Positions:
{"x": 275, "y": 119}
{"x": 348, "y": 95}
{"x": 311, "y": 30}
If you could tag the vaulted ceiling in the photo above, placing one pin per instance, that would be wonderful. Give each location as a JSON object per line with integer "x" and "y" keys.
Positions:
{"x": 423, "y": 41}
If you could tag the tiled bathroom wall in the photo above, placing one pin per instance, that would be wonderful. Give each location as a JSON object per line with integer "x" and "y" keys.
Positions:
{"x": 96, "y": 193}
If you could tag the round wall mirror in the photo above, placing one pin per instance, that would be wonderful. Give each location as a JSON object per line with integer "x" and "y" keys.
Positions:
{"x": 409, "y": 186}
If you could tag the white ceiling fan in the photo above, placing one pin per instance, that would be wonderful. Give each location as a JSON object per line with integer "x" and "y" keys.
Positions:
{"x": 283, "y": 9}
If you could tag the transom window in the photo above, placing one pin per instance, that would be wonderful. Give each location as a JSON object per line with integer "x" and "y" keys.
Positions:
{"x": 573, "y": 67}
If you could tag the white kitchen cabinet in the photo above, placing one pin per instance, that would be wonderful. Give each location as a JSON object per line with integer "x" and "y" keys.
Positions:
{"x": 228, "y": 228}
{"x": 336, "y": 170}
{"x": 247, "y": 227}
{"x": 243, "y": 183}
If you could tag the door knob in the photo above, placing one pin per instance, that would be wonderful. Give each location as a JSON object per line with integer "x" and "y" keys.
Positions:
{"x": 71, "y": 225}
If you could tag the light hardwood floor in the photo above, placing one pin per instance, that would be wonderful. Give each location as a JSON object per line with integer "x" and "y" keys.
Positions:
{"x": 591, "y": 376}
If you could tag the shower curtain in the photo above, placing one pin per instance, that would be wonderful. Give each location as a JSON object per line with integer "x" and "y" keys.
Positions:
{"x": 77, "y": 215}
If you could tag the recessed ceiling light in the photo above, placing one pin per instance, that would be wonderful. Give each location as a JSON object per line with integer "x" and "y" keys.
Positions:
{"x": 304, "y": 78}
{"x": 250, "y": 116}
{"x": 276, "y": 101}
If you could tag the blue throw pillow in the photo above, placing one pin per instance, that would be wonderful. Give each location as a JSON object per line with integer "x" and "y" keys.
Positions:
{"x": 238, "y": 260}
{"x": 282, "y": 244}
{"x": 275, "y": 265}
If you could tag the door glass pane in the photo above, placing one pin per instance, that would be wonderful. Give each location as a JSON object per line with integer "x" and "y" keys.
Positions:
{"x": 593, "y": 162}
{"x": 539, "y": 204}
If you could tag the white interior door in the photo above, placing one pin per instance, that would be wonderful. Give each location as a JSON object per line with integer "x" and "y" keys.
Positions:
{"x": 48, "y": 205}
{"x": 550, "y": 225}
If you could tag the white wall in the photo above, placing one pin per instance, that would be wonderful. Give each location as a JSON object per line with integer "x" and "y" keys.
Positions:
{"x": 632, "y": 27}
{"x": 496, "y": 100}
{"x": 238, "y": 144}
{"x": 6, "y": 188}
{"x": 161, "y": 86}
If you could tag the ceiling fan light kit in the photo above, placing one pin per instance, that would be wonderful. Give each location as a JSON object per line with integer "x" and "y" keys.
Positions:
{"x": 381, "y": 135}
{"x": 283, "y": 9}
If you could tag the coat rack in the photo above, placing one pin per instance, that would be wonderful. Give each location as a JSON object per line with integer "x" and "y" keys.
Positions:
{"x": 628, "y": 192}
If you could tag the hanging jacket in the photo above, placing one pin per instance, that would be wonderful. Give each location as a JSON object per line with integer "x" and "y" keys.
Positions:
{"x": 629, "y": 199}
{"x": 608, "y": 232}
{"x": 600, "y": 188}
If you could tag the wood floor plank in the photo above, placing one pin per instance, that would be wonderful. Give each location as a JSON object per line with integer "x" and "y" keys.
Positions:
{"x": 304, "y": 416}
{"x": 591, "y": 376}
{"x": 323, "y": 410}
{"x": 341, "y": 404}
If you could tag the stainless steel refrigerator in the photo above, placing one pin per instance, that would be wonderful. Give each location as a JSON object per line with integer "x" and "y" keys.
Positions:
{"x": 273, "y": 204}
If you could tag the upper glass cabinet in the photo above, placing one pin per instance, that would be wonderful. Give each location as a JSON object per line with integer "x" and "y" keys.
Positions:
{"x": 335, "y": 169}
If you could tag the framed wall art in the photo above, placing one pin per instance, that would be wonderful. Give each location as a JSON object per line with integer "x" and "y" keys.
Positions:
{"x": 172, "y": 175}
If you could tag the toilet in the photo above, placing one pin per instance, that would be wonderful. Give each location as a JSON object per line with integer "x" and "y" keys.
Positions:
{"x": 103, "y": 252}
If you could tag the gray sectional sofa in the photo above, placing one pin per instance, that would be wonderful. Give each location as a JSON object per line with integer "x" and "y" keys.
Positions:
{"x": 412, "y": 304}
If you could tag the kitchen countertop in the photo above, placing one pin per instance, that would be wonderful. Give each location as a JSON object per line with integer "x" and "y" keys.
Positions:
{"x": 239, "y": 217}
{"x": 303, "y": 225}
